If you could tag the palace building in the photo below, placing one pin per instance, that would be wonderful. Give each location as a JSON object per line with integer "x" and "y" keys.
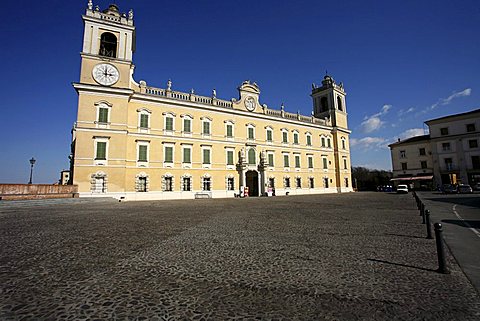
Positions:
{"x": 133, "y": 141}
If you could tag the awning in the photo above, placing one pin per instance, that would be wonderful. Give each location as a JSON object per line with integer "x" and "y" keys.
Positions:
{"x": 413, "y": 178}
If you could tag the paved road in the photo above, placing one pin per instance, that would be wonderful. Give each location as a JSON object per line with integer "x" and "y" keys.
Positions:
{"x": 359, "y": 256}
{"x": 460, "y": 216}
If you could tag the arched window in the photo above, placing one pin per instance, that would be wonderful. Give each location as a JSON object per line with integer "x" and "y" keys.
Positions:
{"x": 251, "y": 156}
{"x": 324, "y": 103}
{"x": 108, "y": 45}
{"x": 339, "y": 103}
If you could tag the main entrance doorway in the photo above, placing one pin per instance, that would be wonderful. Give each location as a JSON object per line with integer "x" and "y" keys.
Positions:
{"x": 252, "y": 182}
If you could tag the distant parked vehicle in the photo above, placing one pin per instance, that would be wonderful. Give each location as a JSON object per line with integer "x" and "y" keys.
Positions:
{"x": 402, "y": 189}
{"x": 450, "y": 189}
{"x": 465, "y": 189}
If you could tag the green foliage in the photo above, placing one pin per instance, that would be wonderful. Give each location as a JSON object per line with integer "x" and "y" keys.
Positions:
{"x": 368, "y": 179}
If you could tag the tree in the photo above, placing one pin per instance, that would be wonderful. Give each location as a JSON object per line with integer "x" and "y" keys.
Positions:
{"x": 369, "y": 179}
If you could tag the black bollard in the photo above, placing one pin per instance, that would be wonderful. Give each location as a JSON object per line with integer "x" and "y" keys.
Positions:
{"x": 422, "y": 212}
{"x": 429, "y": 226}
{"x": 422, "y": 208}
{"x": 442, "y": 263}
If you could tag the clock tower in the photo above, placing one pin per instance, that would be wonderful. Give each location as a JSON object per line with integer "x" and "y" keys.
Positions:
{"x": 108, "y": 46}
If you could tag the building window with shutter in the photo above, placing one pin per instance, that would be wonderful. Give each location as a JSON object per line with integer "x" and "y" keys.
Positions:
{"x": 142, "y": 153}
{"x": 206, "y": 127}
{"x": 285, "y": 137}
{"x": 206, "y": 156}
{"x": 297, "y": 161}
{"x": 270, "y": 160}
{"x": 168, "y": 154}
{"x": 251, "y": 156}
{"x": 325, "y": 163}
{"x": 309, "y": 140}
{"x": 269, "y": 135}
{"x": 101, "y": 152}
{"x": 103, "y": 115}
{"x": 229, "y": 131}
{"x": 310, "y": 161}
{"x": 230, "y": 157}
{"x": 295, "y": 138}
{"x": 187, "y": 125}
{"x": 286, "y": 162}
{"x": 187, "y": 155}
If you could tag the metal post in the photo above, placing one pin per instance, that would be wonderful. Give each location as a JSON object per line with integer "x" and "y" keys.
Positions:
{"x": 422, "y": 212}
{"x": 429, "y": 226}
{"x": 442, "y": 263}
{"x": 32, "y": 162}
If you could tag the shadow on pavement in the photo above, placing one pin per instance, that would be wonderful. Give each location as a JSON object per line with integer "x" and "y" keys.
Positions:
{"x": 403, "y": 235}
{"x": 464, "y": 223}
{"x": 403, "y": 265}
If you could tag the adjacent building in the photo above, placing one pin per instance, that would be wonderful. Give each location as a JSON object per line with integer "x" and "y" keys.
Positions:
{"x": 135, "y": 141}
{"x": 450, "y": 154}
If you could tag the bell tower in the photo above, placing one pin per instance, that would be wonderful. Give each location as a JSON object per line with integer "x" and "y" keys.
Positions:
{"x": 108, "y": 47}
{"x": 329, "y": 101}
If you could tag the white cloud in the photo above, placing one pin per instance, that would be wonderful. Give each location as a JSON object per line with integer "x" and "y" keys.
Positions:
{"x": 412, "y": 132}
{"x": 445, "y": 101}
{"x": 402, "y": 112}
{"x": 368, "y": 143}
{"x": 374, "y": 122}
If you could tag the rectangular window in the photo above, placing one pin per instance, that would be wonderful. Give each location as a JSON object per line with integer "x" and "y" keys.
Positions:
{"x": 325, "y": 163}
{"x": 295, "y": 139}
{"x": 403, "y": 154}
{"x": 423, "y": 164}
{"x": 251, "y": 133}
{"x": 169, "y": 123}
{"x": 284, "y": 137}
{"x": 312, "y": 182}
{"x": 476, "y": 162}
{"x": 168, "y": 154}
{"x": 187, "y": 155}
{"x": 230, "y": 184}
{"x": 206, "y": 184}
{"x": 323, "y": 141}
{"x": 142, "y": 153}
{"x": 444, "y": 131}
{"x": 470, "y": 128}
{"x": 168, "y": 184}
{"x": 269, "y": 136}
{"x": 187, "y": 125}
{"x": 286, "y": 162}
{"x": 229, "y": 157}
{"x": 186, "y": 184}
{"x": 103, "y": 115}
{"x": 421, "y": 151}
{"x": 404, "y": 166}
{"x": 329, "y": 144}
{"x": 142, "y": 184}
{"x": 299, "y": 182}
{"x": 206, "y": 156}
{"x": 297, "y": 161}
{"x": 229, "y": 130}
{"x": 448, "y": 164}
{"x": 101, "y": 150}
{"x": 270, "y": 160}
{"x": 344, "y": 163}
{"x": 287, "y": 182}
{"x": 445, "y": 147}
{"x": 310, "y": 162}
{"x": 309, "y": 140}
{"x": 206, "y": 128}
{"x": 473, "y": 143}
{"x": 344, "y": 145}
{"x": 143, "y": 121}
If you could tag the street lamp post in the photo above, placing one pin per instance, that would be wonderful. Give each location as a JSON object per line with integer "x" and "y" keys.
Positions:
{"x": 32, "y": 162}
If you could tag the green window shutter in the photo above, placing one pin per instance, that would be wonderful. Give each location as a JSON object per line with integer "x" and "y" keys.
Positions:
{"x": 328, "y": 143}
{"x": 285, "y": 137}
{"x": 297, "y": 161}
{"x": 295, "y": 138}
{"x": 143, "y": 121}
{"x": 323, "y": 142}
{"x": 229, "y": 131}
{"x": 169, "y": 123}
{"x": 103, "y": 115}
{"x": 285, "y": 161}
{"x": 269, "y": 135}
{"x": 206, "y": 156}
{"x": 187, "y": 155}
{"x": 310, "y": 162}
{"x": 250, "y": 133}
{"x": 270, "y": 159}
{"x": 206, "y": 128}
{"x": 101, "y": 150}
{"x": 325, "y": 164}
{"x": 251, "y": 156}
{"x": 309, "y": 140}
{"x": 229, "y": 157}
{"x": 187, "y": 126}
{"x": 142, "y": 153}
{"x": 168, "y": 154}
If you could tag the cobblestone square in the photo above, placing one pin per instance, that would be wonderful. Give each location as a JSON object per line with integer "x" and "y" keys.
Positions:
{"x": 358, "y": 256}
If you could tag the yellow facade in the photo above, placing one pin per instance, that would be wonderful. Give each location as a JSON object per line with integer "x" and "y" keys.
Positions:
{"x": 130, "y": 139}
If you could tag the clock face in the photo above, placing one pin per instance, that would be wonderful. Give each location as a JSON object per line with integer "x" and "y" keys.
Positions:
{"x": 250, "y": 103}
{"x": 105, "y": 74}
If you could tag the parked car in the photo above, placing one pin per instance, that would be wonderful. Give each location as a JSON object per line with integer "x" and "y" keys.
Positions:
{"x": 402, "y": 189}
{"x": 465, "y": 189}
{"x": 450, "y": 189}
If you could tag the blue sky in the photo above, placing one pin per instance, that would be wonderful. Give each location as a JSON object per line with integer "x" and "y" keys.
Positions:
{"x": 402, "y": 62}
